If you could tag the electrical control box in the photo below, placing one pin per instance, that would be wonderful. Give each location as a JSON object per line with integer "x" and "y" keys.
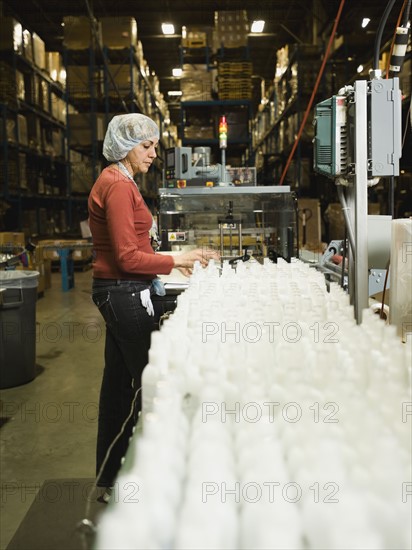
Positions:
{"x": 334, "y": 141}
{"x": 385, "y": 127}
{"x": 330, "y": 142}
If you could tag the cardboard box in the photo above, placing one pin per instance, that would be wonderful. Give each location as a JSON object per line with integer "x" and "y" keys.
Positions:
{"x": 52, "y": 253}
{"x": 78, "y": 32}
{"x": 27, "y": 45}
{"x": 119, "y": 32}
{"x": 22, "y": 130}
{"x": 20, "y": 90}
{"x": 78, "y": 81}
{"x": 11, "y": 239}
{"x": 34, "y": 131}
{"x": 309, "y": 215}
{"x": 81, "y": 128}
{"x": 32, "y": 89}
{"x": 81, "y": 175}
{"x": 231, "y": 29}
{"x": 44, "y": 96}
{"x": 196, "y": 83}
{"x": 126, "y": 79}
{"x": 11, "y": 35}
{"x": 57, "y": 143}
{"x": 54, "y": 66}
{"x": 195, "y": 38}
{"x": 10, "y": 130}
{"x": 39, "y": 51}
{"x": 58, "y": 108}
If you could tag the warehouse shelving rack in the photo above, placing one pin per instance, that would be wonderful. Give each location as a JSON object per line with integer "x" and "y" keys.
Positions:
{"x": 117, "y": 83}
{"x": 206, "y": 112}
{"x": 274, "y": 126}
{"x": 35, "y": 168}
{"x": 239, "y": 140}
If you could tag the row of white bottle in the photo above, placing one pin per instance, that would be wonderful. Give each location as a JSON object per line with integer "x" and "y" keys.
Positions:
{"x": 270, "y": 420}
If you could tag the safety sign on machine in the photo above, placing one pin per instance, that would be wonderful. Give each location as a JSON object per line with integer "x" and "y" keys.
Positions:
{"x": 177, "y": 236}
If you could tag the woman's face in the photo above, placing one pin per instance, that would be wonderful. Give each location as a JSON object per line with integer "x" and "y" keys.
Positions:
{"x": 142, "y": 156}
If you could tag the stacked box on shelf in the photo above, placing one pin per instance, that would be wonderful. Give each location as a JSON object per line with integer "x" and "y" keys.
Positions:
{"x": 282, "y": 61}
{"x": 22, "y": 130}
{"x": 195, "y": 38}
{"x": 237, "y": 125}
{"x": 199, "y": 124}
{"x": 80, "y": 128}
{"x": 58, "y": 108}
{"x": 78, "y": 34}
{"x": 44, "y": 95}
{"x": 196, "y": 83}
{"x": 81, "y": 173}
{"x": 20, "y": 88}
{"x": 119, "y": 32}
{"x": 8, "y": 85}
{"x": 234, "y": 80}
{"x": 57, "y": 143}
{"x": 303, "y": 69}
{"x": 12, "y": 168}
{"x": 34, "y": 132}
{"x": 51, "y": 247}
{"x": 39, "y": 51}
{"x": 126, "y": 78}
{"x": 231, "y": 29}
{"x": 11, "y": 35}
{"x": 273, "y": 111}
{"x": 10, "y": 238}
{"x": 139, "y": 54}
{"x": 32, "y": 89}
{"x": 54, "y": 66}
{"x": 28, "y": 45}
{"x": 30, "y": 222}
{"x": 80, "y": 82}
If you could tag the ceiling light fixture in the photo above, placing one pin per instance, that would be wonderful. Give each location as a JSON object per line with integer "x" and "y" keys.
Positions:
{"x": 175, "y": 93}
{"x": 257, "y": 26}
{"x": 177, "y": 72}
{"x": 168, "y": 28}
{"x": 365, "y": 22}
{"x": 360, "y": 68}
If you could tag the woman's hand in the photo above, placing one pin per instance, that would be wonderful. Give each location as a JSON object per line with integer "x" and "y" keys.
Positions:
{"x": 186, "y": 271}
{"x": 187, "y": 259}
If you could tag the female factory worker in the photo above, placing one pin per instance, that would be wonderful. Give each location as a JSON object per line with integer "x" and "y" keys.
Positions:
{"x": 124, "y": 268}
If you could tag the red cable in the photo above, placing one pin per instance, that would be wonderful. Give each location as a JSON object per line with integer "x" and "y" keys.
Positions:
{"x": 315, "y": 89}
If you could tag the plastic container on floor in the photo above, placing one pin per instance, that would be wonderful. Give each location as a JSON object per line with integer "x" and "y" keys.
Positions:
{"x": 18, "y": 295}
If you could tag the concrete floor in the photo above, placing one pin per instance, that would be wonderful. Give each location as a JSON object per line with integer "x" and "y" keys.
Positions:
{"x": 49, "y": 425}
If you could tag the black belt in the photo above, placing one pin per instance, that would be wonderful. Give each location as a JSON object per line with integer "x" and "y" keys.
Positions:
{"x": 118, "y": 282}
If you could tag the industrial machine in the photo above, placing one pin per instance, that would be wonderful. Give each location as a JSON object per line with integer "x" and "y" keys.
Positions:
{"x": 238, "y": 221}
{"x": 192, "y": 168}
{"x": 185, "y": 168}
{"x": 358, "y": 141}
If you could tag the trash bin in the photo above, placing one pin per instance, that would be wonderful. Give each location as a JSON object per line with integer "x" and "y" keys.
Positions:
{"x": 18, "y": 295}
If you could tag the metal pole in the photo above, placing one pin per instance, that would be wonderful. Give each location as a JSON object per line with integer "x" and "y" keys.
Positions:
{"x": 223, "y": 161}
{"x": 361, "y": 200}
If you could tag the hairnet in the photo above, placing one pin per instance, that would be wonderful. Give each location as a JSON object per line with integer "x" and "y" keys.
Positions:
{"x": 125, "y": 132}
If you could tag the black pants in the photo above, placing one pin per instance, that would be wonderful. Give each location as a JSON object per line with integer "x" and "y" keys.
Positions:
{"x": 128, "y": 329}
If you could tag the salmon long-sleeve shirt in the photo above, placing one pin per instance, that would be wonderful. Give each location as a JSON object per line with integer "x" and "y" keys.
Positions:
{"x": 120, "y": 222}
